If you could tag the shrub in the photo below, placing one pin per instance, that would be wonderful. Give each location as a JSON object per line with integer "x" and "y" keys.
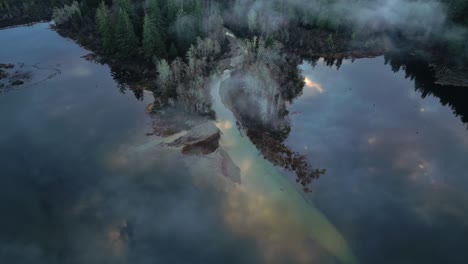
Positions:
{"x": 65, "y": 14}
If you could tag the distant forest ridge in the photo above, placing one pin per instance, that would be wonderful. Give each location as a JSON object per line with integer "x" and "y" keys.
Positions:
{"x": 167, "y": 28}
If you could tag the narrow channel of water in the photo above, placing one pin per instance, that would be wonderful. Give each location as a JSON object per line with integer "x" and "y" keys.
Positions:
{"x": 261, "y": 180}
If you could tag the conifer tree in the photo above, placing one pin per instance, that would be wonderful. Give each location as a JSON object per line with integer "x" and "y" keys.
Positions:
{"x": 126, "y": 40}
{"x": 172, "y": 9}
{"x": 198, "y": 9}
{"x": 126, "y": 6}
{"x": 152, "y": 41}
{"x": 198, "y": 15}
{"x": 165, "y": 77}
{"x": 104, "y": 25}
{"x": 154, "y": 12}
{"x": 173, "y": 51}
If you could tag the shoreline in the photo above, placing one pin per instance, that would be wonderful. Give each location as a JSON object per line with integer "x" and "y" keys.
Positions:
{"x": 139, "y": 76}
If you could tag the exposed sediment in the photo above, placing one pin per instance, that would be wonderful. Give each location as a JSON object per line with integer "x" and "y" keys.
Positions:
{"x": 202, "y": 139}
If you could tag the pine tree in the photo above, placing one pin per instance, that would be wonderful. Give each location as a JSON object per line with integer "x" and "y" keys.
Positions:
{"x": 185, "y": 29}
{"x": 198, "y": 15}
{"x": 173, "y": 51}
{"x": 154, "y": 12}
{"x": 104, "y": 24}
{"x": 172, "y": 9}
{"x": 127, "y": 42}
{"x": 127, "y": 6}
{"x": 198, "y": 9}
{"x": 165, "y": 77}
{"x": 152, "y": 41}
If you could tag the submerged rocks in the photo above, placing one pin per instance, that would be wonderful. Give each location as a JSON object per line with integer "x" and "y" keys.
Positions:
{"x": 201, "y": 139}
{"x": 21, "y": 75}
{"x": 6, "y": 66}
{"x": 12, "y": 76}
{"x": 3, "y": 74}
{"x": 90, "y": 57}
{"x": 203, "y": 147}
{"x": 3, "y": 67}
{"x": 229, "y": 168}
{"x": 17, "y": 82}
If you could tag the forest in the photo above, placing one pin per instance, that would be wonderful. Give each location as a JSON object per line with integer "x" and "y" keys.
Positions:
{"x": 172, "y": 47}
{"x": 233, "y": 131}
{"x": 168, "y": 28}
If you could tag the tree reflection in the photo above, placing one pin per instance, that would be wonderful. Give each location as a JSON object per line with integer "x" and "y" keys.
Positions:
{"x": 258, "y": 94}
{"x": 424, "y": 77}
{"x": 417, "y": 69}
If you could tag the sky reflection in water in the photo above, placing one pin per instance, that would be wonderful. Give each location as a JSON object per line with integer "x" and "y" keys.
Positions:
{"x": 70, "y": 182}
{"x": 74, "y": 190}
{"x": 396, "y": 163}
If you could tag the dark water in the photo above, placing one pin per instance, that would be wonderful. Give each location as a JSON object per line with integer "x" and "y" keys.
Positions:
{"x": 72, "y": 191}
{"x": 74, "y": 188}
{"x": 396, "y": 162}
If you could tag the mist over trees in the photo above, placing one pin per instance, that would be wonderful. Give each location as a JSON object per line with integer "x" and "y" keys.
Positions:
{"x": 178, "y": 40}
{"x": 179, "y": 22}
{"x": 172, "y": 47}
{"x": 359, "y": 22}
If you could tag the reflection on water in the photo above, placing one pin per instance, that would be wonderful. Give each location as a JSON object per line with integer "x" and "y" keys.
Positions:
{"x": 313, "y": 85}
{"x": 82, "y": 183}
{"x": 267, "y": 207}
{"x": 396, "y": 160}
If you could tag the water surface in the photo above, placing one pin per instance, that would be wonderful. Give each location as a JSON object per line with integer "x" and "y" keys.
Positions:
{"x": 396, "y": 162}
{"x": 82, "y": 183}
{"x": 77, "y": 187}
{"x": 72, "y": 188}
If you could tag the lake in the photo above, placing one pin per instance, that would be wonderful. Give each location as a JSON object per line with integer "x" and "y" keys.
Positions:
{"x": 77, "y": 187}
{"x": 396, "y": 162}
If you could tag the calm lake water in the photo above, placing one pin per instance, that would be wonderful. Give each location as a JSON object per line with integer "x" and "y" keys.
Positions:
{"x": 396, "y": 163}
{"x": 74, "y": 190}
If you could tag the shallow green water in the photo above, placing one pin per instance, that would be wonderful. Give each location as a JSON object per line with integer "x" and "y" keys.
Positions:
{"x": 262, "y": 181}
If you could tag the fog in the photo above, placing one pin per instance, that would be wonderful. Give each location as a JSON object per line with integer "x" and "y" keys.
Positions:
{"x": 417, "y": 19}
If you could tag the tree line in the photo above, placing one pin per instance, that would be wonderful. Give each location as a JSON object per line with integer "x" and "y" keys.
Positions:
{"x": 167, "y": 28}
{"x": 150, "y": 29}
